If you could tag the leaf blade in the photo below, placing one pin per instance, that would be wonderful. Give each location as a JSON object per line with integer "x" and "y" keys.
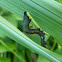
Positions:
{"x": 20, "y": 38}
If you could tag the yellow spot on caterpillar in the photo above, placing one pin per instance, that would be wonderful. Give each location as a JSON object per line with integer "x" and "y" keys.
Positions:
{"x": 32, "y": 32}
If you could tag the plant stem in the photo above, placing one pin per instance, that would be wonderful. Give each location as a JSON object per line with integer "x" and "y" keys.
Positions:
{"x": 53, "y": 46}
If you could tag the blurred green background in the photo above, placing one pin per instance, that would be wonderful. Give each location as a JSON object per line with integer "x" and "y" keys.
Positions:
{"x": 11, "y": 51}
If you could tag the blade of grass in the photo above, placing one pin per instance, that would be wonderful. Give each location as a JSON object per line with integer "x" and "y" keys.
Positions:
{"x": 12, "y": 32}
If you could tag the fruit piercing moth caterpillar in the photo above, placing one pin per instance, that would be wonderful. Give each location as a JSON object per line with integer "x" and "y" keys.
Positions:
{"x": 26, "y": 29}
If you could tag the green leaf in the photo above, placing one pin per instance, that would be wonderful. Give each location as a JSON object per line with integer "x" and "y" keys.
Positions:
{"x": 4, "y": 59}
{"x": 59, "y": 51}
{"x": 12, "y": 32}
{"x": 2, "y": 34}
{"x": 12, "y": 19}
{"x": 4, "y": 49}
{"x": 1, "y": 11}
{"x": 46, "y": 13}
{"x": 42, "y": 59}
{"x": 35, "y": 38}
{"x": 10, "y": 49}
{"x": 60, "y": 1}
{"x": 57, "y": 0}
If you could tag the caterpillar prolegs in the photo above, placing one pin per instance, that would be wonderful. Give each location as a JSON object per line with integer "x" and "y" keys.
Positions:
{"x": 26, "y": 29}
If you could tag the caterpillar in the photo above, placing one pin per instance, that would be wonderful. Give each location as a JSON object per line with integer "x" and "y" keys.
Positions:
{"x": 26, "y": 29}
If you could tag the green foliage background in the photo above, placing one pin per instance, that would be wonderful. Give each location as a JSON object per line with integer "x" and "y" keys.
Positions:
{"x": 17, "y": 46}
